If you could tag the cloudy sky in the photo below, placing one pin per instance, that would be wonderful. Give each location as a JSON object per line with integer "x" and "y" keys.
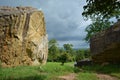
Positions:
{"x": 63, "y": 18}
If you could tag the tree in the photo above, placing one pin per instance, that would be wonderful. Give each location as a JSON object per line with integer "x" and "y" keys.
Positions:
{"x": 53, "y": 50}
{"x": 79, "y": 55}
{"x": 52, "y": 42}
{"x": 100, "y": 12}
{"x": 106, "y": 8}
{"x": 97, "y": 25}
{"x": 64, "y": 57}
{"x": 69, "y": 49}
{"x": 87, "y": 53}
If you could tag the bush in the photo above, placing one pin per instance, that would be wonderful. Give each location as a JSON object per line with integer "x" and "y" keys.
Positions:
{"x": 64, "y": 57}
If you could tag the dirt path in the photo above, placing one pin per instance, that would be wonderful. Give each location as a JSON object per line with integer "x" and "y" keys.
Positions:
{"x": 106, "y": 77}
{"x": 70, "y": 76}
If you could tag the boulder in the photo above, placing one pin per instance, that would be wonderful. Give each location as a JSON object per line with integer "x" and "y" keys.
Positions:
{"x": 105, "y": 45}
{"x": 83, "y": 63}
{"x": 23, "y": 37}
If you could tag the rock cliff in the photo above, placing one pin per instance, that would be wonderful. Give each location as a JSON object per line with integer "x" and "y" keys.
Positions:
{"x": 23, "y": 38}
{"x": 105, "y": 46}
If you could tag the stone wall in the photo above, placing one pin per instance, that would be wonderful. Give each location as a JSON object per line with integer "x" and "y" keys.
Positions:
{"x": 105, "y": 46}
{"x": 23, "y": 38}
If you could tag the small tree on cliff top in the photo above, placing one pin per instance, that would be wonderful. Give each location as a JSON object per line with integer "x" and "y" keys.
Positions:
{"x": 97, "y": 25}
{"x": 100, "y": 12}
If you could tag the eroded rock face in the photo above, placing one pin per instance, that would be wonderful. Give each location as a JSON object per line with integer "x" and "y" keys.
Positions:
{"x": 23, "y": 38}
{"x": 105, "y": 46}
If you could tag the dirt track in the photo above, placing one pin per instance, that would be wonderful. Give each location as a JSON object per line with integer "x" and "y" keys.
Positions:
{"x": 106, "y": 77}
{"x": 72, "y": 76}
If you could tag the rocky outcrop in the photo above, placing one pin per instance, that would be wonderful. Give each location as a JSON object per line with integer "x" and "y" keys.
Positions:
{"x": 105, "y": 46}
{"x": 23, "y": 38}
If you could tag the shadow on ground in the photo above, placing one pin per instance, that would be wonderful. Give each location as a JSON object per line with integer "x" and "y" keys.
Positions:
{"x": 37, "y": 77}
{"x": 107, "y": 69}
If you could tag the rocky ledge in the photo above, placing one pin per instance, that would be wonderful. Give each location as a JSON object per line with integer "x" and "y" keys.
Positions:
{"x": 23, "y": 37}
{"x": 105, "y": 46}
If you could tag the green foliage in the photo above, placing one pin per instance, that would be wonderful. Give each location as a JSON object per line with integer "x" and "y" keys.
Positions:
{"x": 97, "y": 25}
{"x": 77, "y": 70}
{"x": 79, "y": 55}
{"x": 87, "y": 53}
{"x": 106, "y": 8}
{"x": 56, "y": 53}
{"x": 68, "y": 48}
{"x": 66, "y": 53}
{"x": 82, "y": 54}
{"x": 100, "y": 12}
{"x": 52, "y": 42}
{"x": 53, "y": 50}
{"x": 64, "y": 57}
{"x": 53, "y": 53}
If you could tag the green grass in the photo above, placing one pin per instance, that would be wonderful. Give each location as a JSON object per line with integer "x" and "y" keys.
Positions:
{"x": 52, "y": 70}
{"x": 21, "y": 73}
{"x": 87, "y": 76}
{"x": 113, "y": 70}
{"x": 49, "y": 71}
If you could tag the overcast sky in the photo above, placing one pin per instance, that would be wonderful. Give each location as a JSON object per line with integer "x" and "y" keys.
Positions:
{"x": 64, "y": 21}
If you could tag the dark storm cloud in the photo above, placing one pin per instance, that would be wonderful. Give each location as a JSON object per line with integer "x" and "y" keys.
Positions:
{"x": 69, "y": 38}
{"x": 63, "y": 18}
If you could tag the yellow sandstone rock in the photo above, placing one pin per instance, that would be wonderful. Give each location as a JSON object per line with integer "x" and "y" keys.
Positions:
{"x": 23, "y": 37}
